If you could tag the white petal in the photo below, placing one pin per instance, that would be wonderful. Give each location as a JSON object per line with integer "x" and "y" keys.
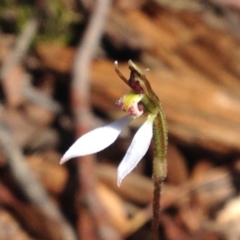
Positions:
{"x": 96, "y": 140}
{"x": 136, "y": 151}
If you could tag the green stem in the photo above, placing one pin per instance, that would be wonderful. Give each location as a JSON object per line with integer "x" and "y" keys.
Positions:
{"x": 160, "y": 146}
{"x": 159, "y": 167}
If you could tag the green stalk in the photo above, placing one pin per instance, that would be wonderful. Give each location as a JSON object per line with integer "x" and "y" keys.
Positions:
{"x": 159, "y": 167}
{"x": 160, "y": 146}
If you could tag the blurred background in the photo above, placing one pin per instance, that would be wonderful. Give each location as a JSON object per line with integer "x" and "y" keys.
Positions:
{"x": 57, "y": 81}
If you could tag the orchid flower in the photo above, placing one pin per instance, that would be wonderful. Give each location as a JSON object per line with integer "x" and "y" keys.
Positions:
{"x": 142, "y": 100}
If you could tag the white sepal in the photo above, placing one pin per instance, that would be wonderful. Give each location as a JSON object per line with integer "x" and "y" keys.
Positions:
{"x": 136, "y": 151}
{"x": 96, "y": 140}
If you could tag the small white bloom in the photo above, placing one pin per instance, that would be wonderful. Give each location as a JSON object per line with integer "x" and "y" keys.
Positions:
{"x": 100, "y": 138}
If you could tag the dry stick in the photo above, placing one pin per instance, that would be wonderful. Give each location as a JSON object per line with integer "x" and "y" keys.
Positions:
{"x": 35, "y": 96}
{"x": 15, "y": 57}
{"x": 82, "y": 111}
{"x": 21, "y": 47}
{"x": 29, "y": 184}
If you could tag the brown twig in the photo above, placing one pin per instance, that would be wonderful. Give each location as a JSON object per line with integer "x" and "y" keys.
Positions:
{"x": 19, "y": 51}
{"x": 21, "y": 47}
{"x": 22, "y": 44}
{"x": 29, "y": 216}
{"x": 37, "y": 97}
{"x": 24, "y": 40}
{"x": 82, "y": 112}
{"x": 29, "y": 184}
